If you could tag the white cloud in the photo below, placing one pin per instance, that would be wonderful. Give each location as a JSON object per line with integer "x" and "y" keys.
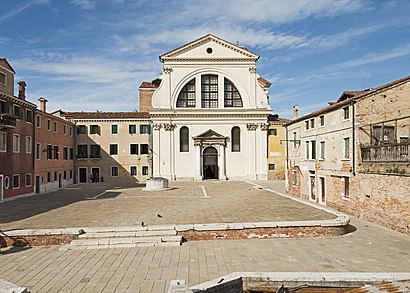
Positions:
{"x": 84, "y": 4}
{"x": 19, "y": 9}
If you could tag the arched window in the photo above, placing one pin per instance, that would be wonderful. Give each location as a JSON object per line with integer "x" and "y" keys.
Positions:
{"x": 186, "y": 98}
{"x": 184, "y": 139}
{"x": 236, "y": 139}
{"x": 209, "y": 91}
{"x": 232, "y": 97}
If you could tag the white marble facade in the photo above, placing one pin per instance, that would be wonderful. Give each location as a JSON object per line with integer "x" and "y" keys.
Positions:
{"x": 210, "y": 113}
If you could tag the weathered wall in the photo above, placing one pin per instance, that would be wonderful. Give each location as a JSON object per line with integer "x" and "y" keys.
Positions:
{"x": 276, "y": 152}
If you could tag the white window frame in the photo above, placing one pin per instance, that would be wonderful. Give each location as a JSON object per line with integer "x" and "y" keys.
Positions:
{"x": 65, "y": 129}
{"x": 29, "y": 144}
{"x": 18, "y": 144}
{"x": 55, "y": 126}
{"x": 19, "y": 181}
{"x": 142, "y": 170}
{"x": 307, "y": 150}
{"x": 136, "y": 170}
{"x": 118, "y": 129}
{"x": 118, "y": 171}
{"x": 5, "y": 141}
{"x": 32, "y": 116}
{"x": 38, "y": 121}
{"x": 49, "y": 124}
{"x": 322, "y": 149}
{"x": 346, "y": 156}
{"x": 25, "y": 179}
{"x": 5, "y": 78}
{"x": 344, "y": 195}
{"x": 343, "y": 113}
{"x": 38, "y": 151}
{"x": 320, "y": 121}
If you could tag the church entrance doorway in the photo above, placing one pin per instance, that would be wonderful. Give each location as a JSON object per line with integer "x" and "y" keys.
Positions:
{"x": 210, "y": 163}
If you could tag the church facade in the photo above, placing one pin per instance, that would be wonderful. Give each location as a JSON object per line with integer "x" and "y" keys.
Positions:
{"x": 209, "y": 113}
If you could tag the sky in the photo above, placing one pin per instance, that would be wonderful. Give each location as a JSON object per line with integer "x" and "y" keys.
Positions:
{"x": 89, "y": 55}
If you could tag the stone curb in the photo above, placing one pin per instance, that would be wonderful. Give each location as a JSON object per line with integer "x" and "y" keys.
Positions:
{"x": 8, "y": 287}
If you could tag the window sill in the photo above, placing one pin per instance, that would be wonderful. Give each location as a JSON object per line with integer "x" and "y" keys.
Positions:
{"x": 345, "y": 160}
{"x": 345, "y": 198}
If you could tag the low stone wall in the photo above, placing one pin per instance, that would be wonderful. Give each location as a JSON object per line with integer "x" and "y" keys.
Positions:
{"x": 38, "y": 237}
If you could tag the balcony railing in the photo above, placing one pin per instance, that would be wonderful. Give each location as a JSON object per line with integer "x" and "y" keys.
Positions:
{"x": 95, "y": 156}
{"x": 7, "y": 121}
{"x": 386, "y": 153}
{"x": 82, "y": 156}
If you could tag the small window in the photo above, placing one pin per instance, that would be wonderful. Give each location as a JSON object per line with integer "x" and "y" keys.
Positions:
{"x": 346, "y": 114}
{"x": 2, "y": 78}
{"x": 38, "y": 121}
{"x": 28, "y": 145}
{"x": 271, "y": 167}
{"x": 294, "y": 139}
{"x": 55, "y": 126}
{"x": 38, "y": 151}
{"x": 55, "y": 175}
{"x": 345, "y": 181}
{"x": 236, "y": 139}
{"x": 133, "y": 171}
{"x": 144, "y": 149}
{"x": 184, "y": 139}
{"x": 3, "y": 107}
{"x": 16, "y": 143}
{"x": 64, "y": 129}
{"x": 313, "y": 144}
{"x": 71, "y": 174}
{"x": 65, "y": 175}
{"x": 113, "y": 149}
{"x": 145, "y": 129}
{"x": 71, "y": 154}
{"x": 16, "y": 181}
{"x": 307, "y": 124}
{"x": 95, "y": 151}
{"x": 18, "y": 112}
{"x": 273, "y": 132}
{"x": 94, "y": 129}
{"x": 48, "y": 176}
{"x": 132, "y": 129}
{"x": 29, "y": 116}
{"x": 81, "y": 129}
{"x": 48, "y": 124}
{"x": 322, "y": 150}
{"x": 295, "y": 180}
{"x": 114, "y": 171}
{"x": 144, "y": 170}
{"x": 65, "y": 153}
{"x": 322, "y": 120}
{"x": 114, "y": 129}
{"x": 71, "y": 131}
{"x": 307, "y": 152}
{"x": 346, "y": 151}
{"x": 82, "y": 151}
{"x": 49, "y": 152}
{"x": 56, "y": 152}
{"x": 133, "y": 149}
{"x": 312, "y": 123}
{"x": 3, "y": 143}
{"x": 28, "y": 180}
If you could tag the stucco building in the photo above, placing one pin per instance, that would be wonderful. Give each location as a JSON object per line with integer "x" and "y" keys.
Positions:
{"x": 111, "y": 145}
{"x": 353, "y": 155}
{"x": 16, "y": 137}
{"x": 209, "y": 113}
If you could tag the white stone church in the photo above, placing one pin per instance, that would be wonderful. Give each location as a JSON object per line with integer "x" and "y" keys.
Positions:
{"x": 209, "y": 113}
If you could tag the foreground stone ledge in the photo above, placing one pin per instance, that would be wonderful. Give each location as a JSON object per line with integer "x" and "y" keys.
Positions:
{"x": 7, "y": 287}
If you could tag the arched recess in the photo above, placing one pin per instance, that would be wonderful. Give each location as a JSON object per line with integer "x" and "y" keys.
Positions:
{"x": 186, "y": 97}
{"x": 184, "y": 139}
{"x": 210, "y": 163}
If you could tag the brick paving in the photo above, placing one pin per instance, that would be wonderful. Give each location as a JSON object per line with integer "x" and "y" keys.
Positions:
{"x": 124, "y": 204}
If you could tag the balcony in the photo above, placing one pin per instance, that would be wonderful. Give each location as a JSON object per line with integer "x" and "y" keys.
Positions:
{"x": 389, "y": 153}
{"x": 7, "y": 121}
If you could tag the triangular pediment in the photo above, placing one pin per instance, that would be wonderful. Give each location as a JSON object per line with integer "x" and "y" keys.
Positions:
{"x": 209, "y": 47}
{"x": 5, "y": 64}
{"x": 209, "y": 134}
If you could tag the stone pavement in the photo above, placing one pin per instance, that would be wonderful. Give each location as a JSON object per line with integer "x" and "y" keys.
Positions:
{"x": 125, "y": 204}
{"x": 371, "y": 248}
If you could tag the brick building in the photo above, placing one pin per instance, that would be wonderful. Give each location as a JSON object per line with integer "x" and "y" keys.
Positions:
{"x": 54, "y": 151}
{"x": 16, "y": 137}
{"x": 353, "y": 155}
{"x": 111, "y": 145}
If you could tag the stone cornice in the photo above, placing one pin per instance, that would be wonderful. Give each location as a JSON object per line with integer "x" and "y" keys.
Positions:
{"x": 18, "y": 101}
{"x": 124, "y": 120}
{"x": 209, "y": 115}
{"x": 208, "y": 60}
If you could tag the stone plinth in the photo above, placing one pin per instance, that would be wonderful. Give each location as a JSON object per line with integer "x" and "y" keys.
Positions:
{"x": 156, "y": 184}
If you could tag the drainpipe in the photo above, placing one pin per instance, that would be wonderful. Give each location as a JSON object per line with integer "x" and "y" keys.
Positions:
{"x": 354, "y": 137}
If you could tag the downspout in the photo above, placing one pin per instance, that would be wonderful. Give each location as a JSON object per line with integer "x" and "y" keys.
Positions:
{"x": 151, "y": 153}
{"x": 354, "y": 138}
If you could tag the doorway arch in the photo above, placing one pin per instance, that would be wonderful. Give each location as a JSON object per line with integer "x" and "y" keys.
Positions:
{"x": 210, "y": 163}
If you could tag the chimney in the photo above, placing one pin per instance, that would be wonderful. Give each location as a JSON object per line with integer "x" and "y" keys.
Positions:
{"x": 295, "y": 111}
{"x": 22, "y": 89}
{"x": 43, "y": 104}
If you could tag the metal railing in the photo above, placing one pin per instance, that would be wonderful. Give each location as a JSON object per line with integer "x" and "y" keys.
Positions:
{"x": 386, "y": 153}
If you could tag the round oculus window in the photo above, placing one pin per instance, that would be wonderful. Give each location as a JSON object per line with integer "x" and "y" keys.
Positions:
{"x": 209, "y": 50}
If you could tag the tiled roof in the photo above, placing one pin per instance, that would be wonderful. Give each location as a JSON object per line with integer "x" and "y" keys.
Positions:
{"x": 348, "y": 96}
{"x": 151, "y": 84}
{"x": 106, "y": 115}
{"x": 275, "y": 119}
{"x": 263, "y": 82}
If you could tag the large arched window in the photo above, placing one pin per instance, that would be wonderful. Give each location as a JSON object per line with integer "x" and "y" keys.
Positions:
{"x": 232, "y": 97}
{"x": 184, "y": 139}
{"x": 209, "y": 91}
{"x": 236, "y": 139}
{"x": 186, "y": 98}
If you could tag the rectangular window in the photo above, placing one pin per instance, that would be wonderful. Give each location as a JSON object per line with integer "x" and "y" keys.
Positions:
{"x": 322, "y": 150}
{"x": 48, "y": 176}
{"x": 16, "y": 181}
{"x": 38, "y": 151}
{"x": 144, "y": 170}
{"x": 28, "y": 145}
{"x": 48, "y": 124}
{"x": 294, "y": 140}
{"x": 49, "y": 152}
{"x": 16, "y": 143}
{"x": 346, "y": 151}
{"x": 82, "y": 151}
{"x": 312, "y": 123}
{"x": 209, "y": 91}
{"x": 81, "y": 129}
{"x": 322, "y": 120}
{"x": 133, "y": 170}
{"x": 71, "y": 174}
{"x": 114, "y": 171}
{"x": 56, "y": 152}
{"x": 71, "y": 131}
{"x": 4, "y": 107}
{"x": 133, "y": 149}
{"x": 95, "y": 151}
{"x": 273, "y": 132}
{"x": 145, "y": 129}
{"x": 307, "y": 124}
{"x": 65, "y": 153}
{"x": 3, "y": 142}
{"x": 38, "y": 121}
{"x": 132, "y": 129}
{"x": 113, "y": 149}
{"x": 55, "y": 126}
{"x": 271, "y": 167}
{"x": 65, "y": 175}
{"x": 307, "y": 153}
{"x": 114, "y": 129}
{"x": 64, "y": 129}
{"x": 313, "y": 143}
{"x": 71, "y": 154}
{"x": 94, "y": 129}
{"x": 346, "y": 187}
{"x": 294, "y": 178}
{"x": 29, "y": 116}
{"x": 55, "y": 175}
{"x": 2, "y": 78}
{"x": 346, "y": 114}
{"x": 28, "y": 180}
{"x": 18, "y": 112}
{"x": 144, "y": 149}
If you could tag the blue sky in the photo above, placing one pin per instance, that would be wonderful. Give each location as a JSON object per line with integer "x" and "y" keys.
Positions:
{"x": 92, "y": 55}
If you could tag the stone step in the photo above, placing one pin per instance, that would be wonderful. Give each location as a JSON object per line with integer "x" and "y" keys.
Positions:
{"x": 123, "y": 234}
{"x": 128, "y": 240}
{"x": 107, "y": 246}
